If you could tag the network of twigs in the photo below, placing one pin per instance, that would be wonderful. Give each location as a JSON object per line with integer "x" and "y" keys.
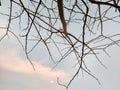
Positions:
{"x": 46, "y": 21}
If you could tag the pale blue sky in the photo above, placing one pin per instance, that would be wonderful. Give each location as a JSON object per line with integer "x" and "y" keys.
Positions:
{"x": 16, "y": 72}
{"x": 13, "y": 77}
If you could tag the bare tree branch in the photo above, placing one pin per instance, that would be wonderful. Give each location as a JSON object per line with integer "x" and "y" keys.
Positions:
{"x": 82, "y": 32}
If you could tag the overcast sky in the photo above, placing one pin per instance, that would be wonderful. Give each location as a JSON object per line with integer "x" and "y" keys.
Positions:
{"x": 16, "y": 73}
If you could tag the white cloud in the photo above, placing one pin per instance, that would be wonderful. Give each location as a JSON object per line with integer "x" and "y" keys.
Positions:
{"x": 18, "y": 74}
{"x": 11, "y": 61}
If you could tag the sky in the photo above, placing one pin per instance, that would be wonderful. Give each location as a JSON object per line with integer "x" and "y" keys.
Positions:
{"x": 16, "y": 73}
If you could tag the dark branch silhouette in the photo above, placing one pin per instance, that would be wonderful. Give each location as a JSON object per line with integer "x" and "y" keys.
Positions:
{"x": 40, "y": 21}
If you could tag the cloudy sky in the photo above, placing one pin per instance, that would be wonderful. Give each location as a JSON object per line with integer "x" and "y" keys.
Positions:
{"x": 16, "y": 73}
